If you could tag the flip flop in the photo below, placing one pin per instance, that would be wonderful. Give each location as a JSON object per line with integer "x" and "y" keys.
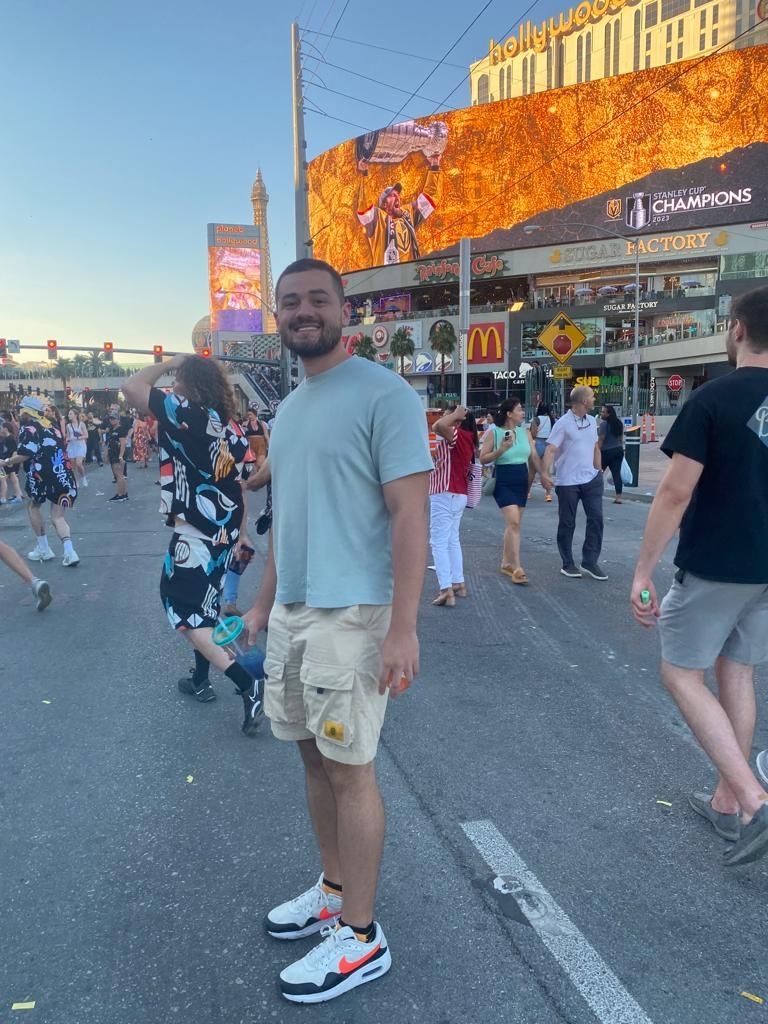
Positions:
{"x": 518, "y": 576}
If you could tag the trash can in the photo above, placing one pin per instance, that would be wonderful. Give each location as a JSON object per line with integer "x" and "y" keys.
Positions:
{"x": 632, "y": 453}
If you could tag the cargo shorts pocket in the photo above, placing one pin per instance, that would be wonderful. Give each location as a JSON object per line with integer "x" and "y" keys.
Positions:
{"x": 328, "y": 703}
{"x": 275, "y": 691}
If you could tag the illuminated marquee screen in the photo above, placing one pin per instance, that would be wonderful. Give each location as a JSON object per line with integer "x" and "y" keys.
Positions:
{"x": 234, "y": 277}
{"x": 669, "y": 148}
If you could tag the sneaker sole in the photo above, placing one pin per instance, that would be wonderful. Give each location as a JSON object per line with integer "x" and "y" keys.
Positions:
{"x": 571, "y": 575}
{"x": 359, "y": 977}
{"x": 302, "y": 933}
{"x": 749, "y": 853}
{"x": 43, "y": 597}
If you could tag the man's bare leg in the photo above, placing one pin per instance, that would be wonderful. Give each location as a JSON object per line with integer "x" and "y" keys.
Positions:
{"x": 322, "y": 810}
{"x": 711, "y": 726}
{"x": 360, "y": 836}
{"x": 736, "y": 688}
{"x": 14, "y": 561}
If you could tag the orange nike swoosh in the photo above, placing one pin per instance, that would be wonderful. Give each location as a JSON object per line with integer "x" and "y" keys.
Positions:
{"x": 346, "y": 967}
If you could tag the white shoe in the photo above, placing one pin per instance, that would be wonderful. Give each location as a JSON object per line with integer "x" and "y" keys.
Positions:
{"x": 341, "y": 962}
{"x": 307, "y": 914}
{"x": 38, "y": 555}
{"x": 72, "y": 559}
{"x": 84, "y": 481}
{"x": 42, "y": 591}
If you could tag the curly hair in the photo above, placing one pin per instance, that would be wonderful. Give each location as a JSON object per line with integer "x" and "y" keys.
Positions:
{"x": 205, "y": 383}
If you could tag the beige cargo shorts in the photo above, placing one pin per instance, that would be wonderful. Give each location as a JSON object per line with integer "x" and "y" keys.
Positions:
{"x": 322, "y": 668}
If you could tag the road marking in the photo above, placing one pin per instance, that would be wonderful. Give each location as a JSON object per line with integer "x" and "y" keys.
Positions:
{"x": 23, "y": 1006}
{"x": 602, "y": 990}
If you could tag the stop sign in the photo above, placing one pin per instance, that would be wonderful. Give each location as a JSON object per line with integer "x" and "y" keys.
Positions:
{"x": 675, "y": 382}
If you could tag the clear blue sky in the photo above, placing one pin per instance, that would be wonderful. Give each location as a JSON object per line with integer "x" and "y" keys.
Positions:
{"x": 127, "y": 127}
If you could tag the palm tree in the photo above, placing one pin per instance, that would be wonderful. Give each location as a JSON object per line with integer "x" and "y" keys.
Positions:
{"x": 96, "y": 366}
{"x": 401, "y": 345}
{"x": 365, "y": 348}
{"x": 80, "y": 366}
{"x": 65, "y": 368}
{"x": 443, "y": 341}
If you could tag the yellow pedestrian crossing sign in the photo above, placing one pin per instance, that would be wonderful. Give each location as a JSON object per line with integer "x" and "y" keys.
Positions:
{"x": 561, "y": 337}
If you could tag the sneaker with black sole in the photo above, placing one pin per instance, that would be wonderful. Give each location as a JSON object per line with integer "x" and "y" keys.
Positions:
{"x": 341, "y": 962}
{"x": 571, "y": 571}
{"x": 727, "y": 826}
{"x": 42, "y": 591}
{"x": 594, "y": 571}
{"x": 253, "y": 707}
{"x": 203, "y": 692}
{"x": 304, "y": 915}
{"x": 761, "y": 764}
{"x": 753, "y": 841}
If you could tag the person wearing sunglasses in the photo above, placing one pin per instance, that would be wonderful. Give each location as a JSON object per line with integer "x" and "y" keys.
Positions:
{"x": 573, "y": 448}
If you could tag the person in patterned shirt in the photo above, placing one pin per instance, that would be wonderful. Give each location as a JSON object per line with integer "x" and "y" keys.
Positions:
{"x": 202, "y": 450}
{"x": 41, "y": 450}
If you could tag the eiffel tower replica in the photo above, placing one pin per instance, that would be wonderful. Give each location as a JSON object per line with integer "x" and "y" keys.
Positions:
{"x": 259, "y": 201}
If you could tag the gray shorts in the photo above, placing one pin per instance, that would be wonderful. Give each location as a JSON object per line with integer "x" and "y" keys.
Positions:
{"x": 704, "y": 619}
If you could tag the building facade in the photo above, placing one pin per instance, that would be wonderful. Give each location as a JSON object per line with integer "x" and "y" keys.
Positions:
{"x": 597, "y": 39}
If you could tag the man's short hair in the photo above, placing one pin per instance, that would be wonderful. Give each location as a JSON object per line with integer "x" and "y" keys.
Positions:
{"x": 299, "y": 266}
{"x": 580, "y": 393}
{"x": 752, "y": 309}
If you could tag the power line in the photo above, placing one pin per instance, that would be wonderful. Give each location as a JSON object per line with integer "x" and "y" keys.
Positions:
{"x": 332, "y": 117}
{"x": 453, "y": 46}
{"x": 376, "y": 81}
{"x": 347, "y": 96}
{"x": 387, "y": 49}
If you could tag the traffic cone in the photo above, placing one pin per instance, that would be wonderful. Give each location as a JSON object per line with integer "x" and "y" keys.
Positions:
{"x": 644, "y": 430}
{"x": 653, "y": 428}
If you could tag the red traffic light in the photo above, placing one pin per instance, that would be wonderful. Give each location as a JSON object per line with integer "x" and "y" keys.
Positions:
{"x": 205, "y": 353}
{"x": 108, "y": 346}
{"x": 3, "y": 348}
{"x": 108, "y": 352}
{"x": 52, "y": 348}
{"x": 158, "y": 353}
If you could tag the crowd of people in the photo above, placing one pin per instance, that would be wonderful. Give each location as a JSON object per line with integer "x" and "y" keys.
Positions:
{"x": 340, "y": 595}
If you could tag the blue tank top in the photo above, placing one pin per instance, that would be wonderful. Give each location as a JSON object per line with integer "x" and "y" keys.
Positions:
{"x": 520, "y": 451}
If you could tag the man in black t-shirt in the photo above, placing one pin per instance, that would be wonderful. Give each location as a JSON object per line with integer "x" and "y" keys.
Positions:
{"x": 116, "y": 432}
{"x": 716, "y": 613}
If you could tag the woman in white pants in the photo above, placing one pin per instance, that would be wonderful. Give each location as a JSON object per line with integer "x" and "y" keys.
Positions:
{"x": 456, "y": 448}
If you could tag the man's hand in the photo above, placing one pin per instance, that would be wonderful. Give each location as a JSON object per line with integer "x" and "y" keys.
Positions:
{"x": 434, "y": 161}
{"x": 175, "y": 363}
{"x": 255, "y": 620}
{"x": 646, "y": 612}
{"x": 399, "y": 661}
{"x": 362, "y": 166}
{"x": 546, "y": 481}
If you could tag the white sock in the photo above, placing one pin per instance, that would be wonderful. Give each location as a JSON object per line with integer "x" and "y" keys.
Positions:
{"x": 68, "y": 549}
{"x": 42, "y": 543}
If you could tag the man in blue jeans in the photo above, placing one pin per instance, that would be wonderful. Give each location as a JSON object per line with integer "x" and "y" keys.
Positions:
{"x": 572, "y": 446}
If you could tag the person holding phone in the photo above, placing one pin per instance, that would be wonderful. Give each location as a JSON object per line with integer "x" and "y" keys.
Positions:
{"x": 508, "y": 445}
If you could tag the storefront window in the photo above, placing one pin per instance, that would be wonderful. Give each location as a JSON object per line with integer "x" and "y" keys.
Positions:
{"x": 748, "y": 264}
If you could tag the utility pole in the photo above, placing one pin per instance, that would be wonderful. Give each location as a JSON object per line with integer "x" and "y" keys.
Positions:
{"x": 301, "y": 212}
{"x": 464, "y": 282}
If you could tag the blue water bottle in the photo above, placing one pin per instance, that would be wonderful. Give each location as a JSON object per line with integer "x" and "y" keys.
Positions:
{"x": 229, "y": 634}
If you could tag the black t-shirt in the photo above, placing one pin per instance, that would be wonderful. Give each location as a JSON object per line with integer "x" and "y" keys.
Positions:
{"x": 724, "y": 426}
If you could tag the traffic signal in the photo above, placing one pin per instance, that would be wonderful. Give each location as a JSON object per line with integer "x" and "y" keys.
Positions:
{"x": 108, "y": 353}
{"x": 53, "y": 349}
{"x": 3, "y": 349}
{"x": 205, "y": 353}
{"x": 158, "y": 353}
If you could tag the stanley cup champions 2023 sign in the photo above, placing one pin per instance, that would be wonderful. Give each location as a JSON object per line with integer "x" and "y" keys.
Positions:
{"x": 676, "y": 147}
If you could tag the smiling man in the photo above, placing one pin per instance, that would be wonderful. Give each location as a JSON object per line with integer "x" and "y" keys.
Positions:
{"x": 340, "y": 592}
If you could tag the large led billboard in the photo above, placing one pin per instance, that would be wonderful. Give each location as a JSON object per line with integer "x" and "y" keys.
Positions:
{"x": 676, "y": 147}
{"x": 234, "y": 279}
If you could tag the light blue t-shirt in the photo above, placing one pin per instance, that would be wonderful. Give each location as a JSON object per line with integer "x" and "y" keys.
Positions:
{"x": 337, "y": 438}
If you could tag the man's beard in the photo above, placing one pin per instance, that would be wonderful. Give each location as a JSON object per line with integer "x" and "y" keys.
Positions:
{"x": 327, "y": 342}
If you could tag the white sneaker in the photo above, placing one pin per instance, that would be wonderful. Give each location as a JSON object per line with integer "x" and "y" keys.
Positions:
{"x": 761, "y": 763}
{"x": 305, "y": 915}
{"x": 38, "y": 555}
{"x": 72, "y": 559}
{"x": 341, "y": 962}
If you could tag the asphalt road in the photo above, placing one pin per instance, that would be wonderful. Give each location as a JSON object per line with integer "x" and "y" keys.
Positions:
{"x": 541, "y": 866}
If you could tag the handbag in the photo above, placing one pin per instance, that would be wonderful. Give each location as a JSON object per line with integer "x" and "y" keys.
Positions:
{"x": 626, "y": 473}
{"x": 474, "y": 484}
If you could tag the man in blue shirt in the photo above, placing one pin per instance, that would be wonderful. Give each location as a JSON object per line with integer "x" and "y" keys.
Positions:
{"x": 340, "y": 592}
